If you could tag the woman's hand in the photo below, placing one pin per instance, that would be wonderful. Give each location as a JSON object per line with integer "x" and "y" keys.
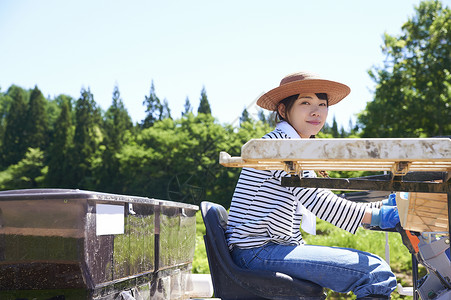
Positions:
{"x": 385, "y": 217}
{"x": 391, "y": 201}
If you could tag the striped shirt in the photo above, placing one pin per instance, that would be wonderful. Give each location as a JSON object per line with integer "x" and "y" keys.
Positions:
{"x": 262, "y": 210}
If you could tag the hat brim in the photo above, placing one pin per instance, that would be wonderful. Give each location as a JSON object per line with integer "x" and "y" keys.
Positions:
{"x": 335, "y": 92}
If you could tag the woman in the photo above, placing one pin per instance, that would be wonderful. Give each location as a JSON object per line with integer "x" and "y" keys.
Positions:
{"x": 264, "y": 219}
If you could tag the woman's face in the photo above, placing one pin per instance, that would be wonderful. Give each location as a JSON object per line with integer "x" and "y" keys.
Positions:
{"x": 307, "y": 115}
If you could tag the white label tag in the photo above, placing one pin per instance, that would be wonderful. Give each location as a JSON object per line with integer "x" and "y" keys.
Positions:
{"x": 109, "y": 219}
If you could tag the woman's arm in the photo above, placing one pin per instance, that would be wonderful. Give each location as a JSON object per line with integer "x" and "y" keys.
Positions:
{"x": 367, "y": 216}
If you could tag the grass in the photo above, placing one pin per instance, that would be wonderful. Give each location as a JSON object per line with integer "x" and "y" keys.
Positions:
{"x": 200, "y": 263}
{"x": 329, "y": 235}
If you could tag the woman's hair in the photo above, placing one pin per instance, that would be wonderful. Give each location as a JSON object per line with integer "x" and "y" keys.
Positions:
{"x": 288, "y": 102}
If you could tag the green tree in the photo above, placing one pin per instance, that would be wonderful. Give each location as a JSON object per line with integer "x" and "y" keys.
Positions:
{"x": 343, "y": 132}
{"x": 187, "y": 107}
{"x": 5, "y": 103}
{"x": 221, "y": 190}
{"x": 14, "y": 141}
{"x": 54, "y": 109}
{"x": 117, "y": 126}
{"x": 87, "y": 137}
{"x": 165, "y": 111}
{"x": 117, "y": 121}
{"x": 153, "y": 108}
{"x": 261, "y": 115}
{"x": 28, "y": 173}
{"x": 59, "y": 155}
{"x": 178, "y": 159}
{"x": 245, "y": 117}
{"x": 413, "y": 88}
{"x": 268, "y": 119}
{"x": 326, "y": 129}
{"x": 334, "y": 128}
{"x": 353, "y": 129}
{"x": 204, "y": 105}
{"x": 36, "y": 122}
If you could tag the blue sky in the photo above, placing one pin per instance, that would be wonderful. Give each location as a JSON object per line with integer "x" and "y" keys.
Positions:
{"x": 236, "y": 49}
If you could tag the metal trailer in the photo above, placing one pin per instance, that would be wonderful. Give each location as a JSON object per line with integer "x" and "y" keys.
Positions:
{"x": 74, "y": 244}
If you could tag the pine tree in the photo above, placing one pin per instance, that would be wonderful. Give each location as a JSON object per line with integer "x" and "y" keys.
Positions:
{"x": 14, "y": 143}
{"x": 187, "y": 107}
{"x": 85, "y": 138}
{"x": 59, "y": 150}
{"x": 326, "y": 129}
{"x": 244, "y": 116}
{"x": 36, "y": 126}
{"x": 5, "y": 103}
{"x": 165, "y": 111}
{"x": 352, "y": 128}
{"x": 117, "y": 123}
{"x": 153, "y": 108}
{"x": 334, "y": 129}
{"x": 204, "y": 105}
{"x": 343, "y": 132}
{"x": 261, "y": 116}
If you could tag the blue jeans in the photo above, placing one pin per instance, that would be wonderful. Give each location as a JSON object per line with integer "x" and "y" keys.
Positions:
{"x": 339, "y": 269}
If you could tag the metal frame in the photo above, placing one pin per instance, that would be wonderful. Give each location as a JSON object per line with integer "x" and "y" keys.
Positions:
{"x": 411, "y": 162}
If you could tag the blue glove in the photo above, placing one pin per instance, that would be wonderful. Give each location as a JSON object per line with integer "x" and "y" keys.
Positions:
{"x": 385, "y": 217}
{"x": 391, "y": 201}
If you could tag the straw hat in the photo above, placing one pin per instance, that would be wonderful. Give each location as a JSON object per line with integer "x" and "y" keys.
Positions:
{"x": 303, "y": 82}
